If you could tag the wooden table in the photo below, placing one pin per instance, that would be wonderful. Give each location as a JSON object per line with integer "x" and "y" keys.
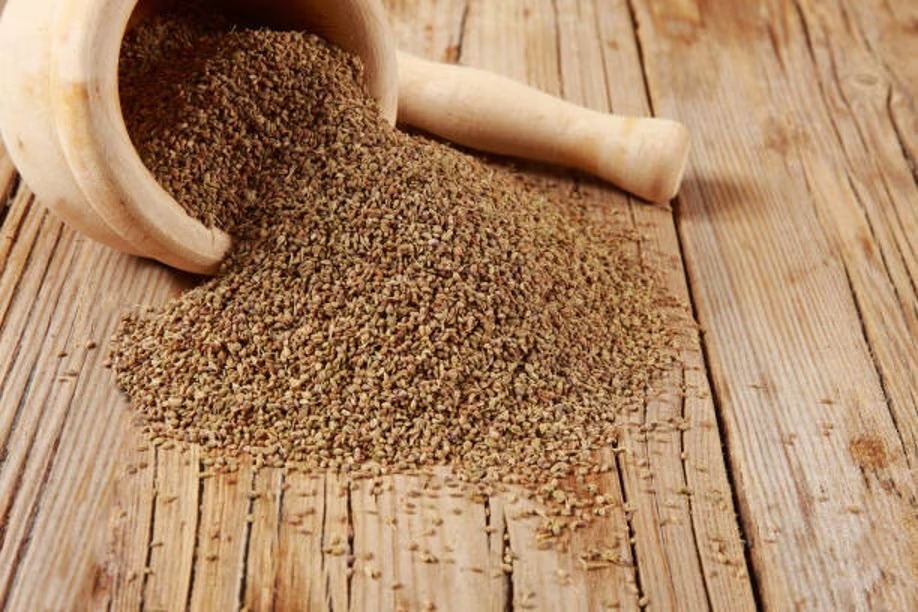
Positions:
{"x": 794, "y": 242}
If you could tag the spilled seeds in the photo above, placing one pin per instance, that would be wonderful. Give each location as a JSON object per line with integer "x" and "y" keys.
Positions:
{"x": 389, "y": 301}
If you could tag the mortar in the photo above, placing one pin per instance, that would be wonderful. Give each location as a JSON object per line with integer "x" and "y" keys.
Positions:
{"x": 61, "y": 119}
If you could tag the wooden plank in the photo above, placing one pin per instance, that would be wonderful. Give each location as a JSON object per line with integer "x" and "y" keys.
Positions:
{"x": 651, "y": 467}
{"x": 31, "y": 434}
{"x": 313, "y": 534}
{"x": 63, "y": 445}
{"x": 222, "y": 540}
{"x": 697, "y": 497}
{"x": 821, "y": 470}
{"x": 419, "y": 543}
{"x": 552, "y": 577}
{"x": 129, "y": 544}
{"x": 173, "y": 530}
{"x": 300, "y": 580}
{"x": 264, "y": 540}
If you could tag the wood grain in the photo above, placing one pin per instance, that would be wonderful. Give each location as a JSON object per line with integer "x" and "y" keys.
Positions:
{"x": 793, "y": 243}
{"x": 64, "y": 424}
{"x": 805, "y": 328}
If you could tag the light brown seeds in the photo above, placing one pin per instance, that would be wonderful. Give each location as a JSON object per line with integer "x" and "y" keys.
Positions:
{"x": 388, "y": 301}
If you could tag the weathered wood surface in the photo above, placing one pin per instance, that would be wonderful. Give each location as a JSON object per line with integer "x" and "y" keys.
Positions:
{"x": 793, "y": 241}
{"x": 799, "y": 227}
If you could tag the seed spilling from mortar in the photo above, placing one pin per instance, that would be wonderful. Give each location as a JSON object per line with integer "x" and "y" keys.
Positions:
{"x": 388, "y": 300}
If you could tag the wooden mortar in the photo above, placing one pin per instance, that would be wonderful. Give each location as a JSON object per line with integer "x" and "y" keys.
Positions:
{"x": 61, "y": 120}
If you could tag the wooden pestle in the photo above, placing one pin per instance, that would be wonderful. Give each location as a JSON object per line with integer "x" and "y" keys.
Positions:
{"x": 485, "y": 111}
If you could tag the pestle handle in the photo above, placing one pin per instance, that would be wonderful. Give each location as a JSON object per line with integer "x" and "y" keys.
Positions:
{"x": 485, "y": 111}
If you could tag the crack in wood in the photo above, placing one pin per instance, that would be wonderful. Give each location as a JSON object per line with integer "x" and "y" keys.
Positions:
{"x": 775, "y": 42}
{"x": 900, "y": 137}
{"x": 281, "y": 499}
{"x": 744, "y": 524}
{"x": 629, "y": 517}
{"x": 351, "y": 534}
{"x": 884, "y": 386}
{"x": 145, "y": 580}
{"x": 246, "y": 543}
{"x": 198, "y": 537}
{"x": 639, "y": 46}
{"x": 460, "y": 39}
{"x": 11, "y": 501}
{"x": 8, "y": 194}
{"x": 690, "y": 503}
{"x": 558, "y": 52}
{"x": 882, "y": 252}
{"x": 322, "y": 544}
{"x": 606, "y": 86}
{"x": 15, "y": 215}
{"x": 506, "y": 552}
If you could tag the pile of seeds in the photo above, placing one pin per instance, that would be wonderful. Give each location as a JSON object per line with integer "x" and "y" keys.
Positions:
{"x": 389, "y": 301}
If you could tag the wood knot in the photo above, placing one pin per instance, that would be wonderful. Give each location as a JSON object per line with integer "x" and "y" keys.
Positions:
{"x": 868, "y": 452}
